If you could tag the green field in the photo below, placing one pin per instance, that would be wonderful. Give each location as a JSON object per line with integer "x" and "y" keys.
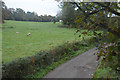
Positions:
{"x": 44, "y": 36}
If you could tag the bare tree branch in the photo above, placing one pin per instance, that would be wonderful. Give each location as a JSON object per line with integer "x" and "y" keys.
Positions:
{"x": 86, "y": 13}
{"x": 108, "y": 8}
{"x": 80, "y": 8}
{"x": 95, "y": 11}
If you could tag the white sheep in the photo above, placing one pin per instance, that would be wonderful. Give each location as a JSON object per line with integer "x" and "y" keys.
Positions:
{"x": 28, "y": 34}
{"x": 60, "y": 21}
{"x": 17, "y": 32}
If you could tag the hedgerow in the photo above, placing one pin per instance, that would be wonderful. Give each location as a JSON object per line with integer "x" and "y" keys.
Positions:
{"x": 24, "y": 66}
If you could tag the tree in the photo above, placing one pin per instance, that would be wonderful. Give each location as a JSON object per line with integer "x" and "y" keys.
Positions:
{"x": 105, "y": 16}
{"x": 68, "y": 13}
{"x": 93, "y": 9}
{"x": 1, "y": 12}
{"x": 11, "y": 12}
{"x": 20, "y": 15}
{"x": 5, "y": 14}
{"x": 100, "y": 15}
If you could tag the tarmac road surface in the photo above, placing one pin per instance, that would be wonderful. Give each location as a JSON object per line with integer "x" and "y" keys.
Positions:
{"x": 82, "y": 66}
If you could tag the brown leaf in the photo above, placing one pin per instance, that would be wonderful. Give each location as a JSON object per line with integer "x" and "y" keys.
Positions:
{"x": 33, "y": 60}
{"x": 84, "y": 33}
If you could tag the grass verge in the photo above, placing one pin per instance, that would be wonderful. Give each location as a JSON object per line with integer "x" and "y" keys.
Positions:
{"x": 49, "y": 68}
{"x": 105, "y": 72}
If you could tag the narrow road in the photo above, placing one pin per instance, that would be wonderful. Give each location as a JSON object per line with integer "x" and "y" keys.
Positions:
{"x": 82, "y": 66}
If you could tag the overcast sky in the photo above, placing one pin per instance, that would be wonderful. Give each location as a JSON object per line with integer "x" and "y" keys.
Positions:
{"x": 49, "y": 7}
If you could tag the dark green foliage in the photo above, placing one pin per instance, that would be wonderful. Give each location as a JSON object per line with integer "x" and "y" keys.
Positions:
{"x": 20, "y": 15}
{"x": 68, "y": 15}
{"x": 104, "y": 16}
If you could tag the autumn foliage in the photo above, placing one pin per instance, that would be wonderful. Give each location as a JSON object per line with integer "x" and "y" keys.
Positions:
{"x": 102, "y": 16}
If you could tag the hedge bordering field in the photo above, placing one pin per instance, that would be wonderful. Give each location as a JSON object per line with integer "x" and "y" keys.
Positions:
{"x": 23, "y": 66}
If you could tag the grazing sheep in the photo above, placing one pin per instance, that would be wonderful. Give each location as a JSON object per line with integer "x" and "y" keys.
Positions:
{"x": 17, "y": 32}
{"x": 60, "y": 21}
{"x": 28, "y": 34}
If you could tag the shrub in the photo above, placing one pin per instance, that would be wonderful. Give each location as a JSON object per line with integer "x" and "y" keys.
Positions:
{"x": 23, "y": 66}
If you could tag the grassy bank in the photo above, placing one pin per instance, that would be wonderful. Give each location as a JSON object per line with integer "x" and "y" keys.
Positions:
{"x": 44, "y": 60}
{"x": 42, "y": 72}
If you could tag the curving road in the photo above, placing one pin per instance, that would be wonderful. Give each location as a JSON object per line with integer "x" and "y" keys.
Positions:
{"x": 82, "y": 66}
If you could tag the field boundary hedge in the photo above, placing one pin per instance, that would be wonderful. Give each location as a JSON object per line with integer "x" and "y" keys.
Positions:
{"x": 28, "y": 65}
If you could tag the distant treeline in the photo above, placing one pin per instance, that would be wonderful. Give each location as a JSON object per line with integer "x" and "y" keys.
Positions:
{"x": 19, "y": 14}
